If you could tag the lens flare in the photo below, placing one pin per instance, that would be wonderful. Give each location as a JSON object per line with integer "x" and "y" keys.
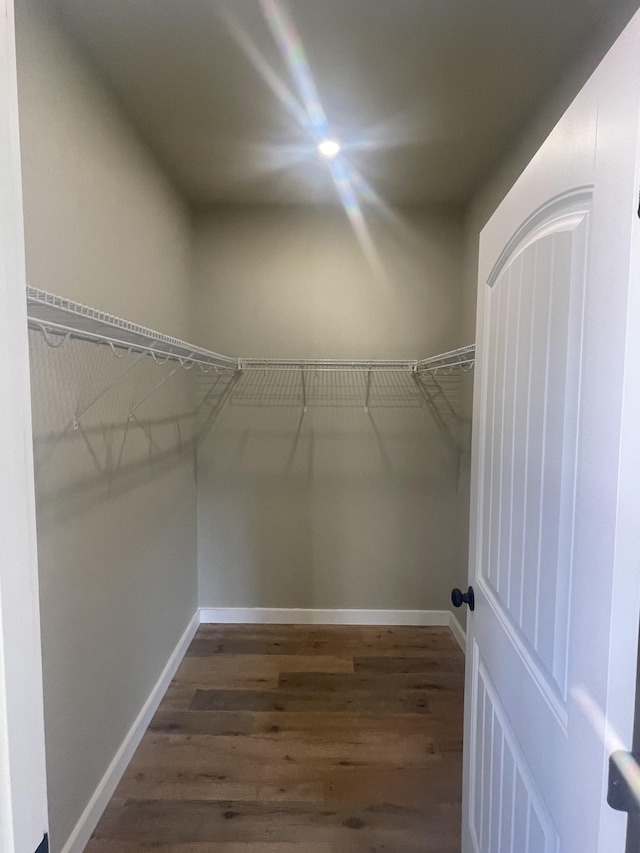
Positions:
{"x": 344, "y": 185}
{"x": 293, "y": 53}
{"x": 329, "y": 148}
{"x": 292, "y": 50}
{"x": 268, "y": 74}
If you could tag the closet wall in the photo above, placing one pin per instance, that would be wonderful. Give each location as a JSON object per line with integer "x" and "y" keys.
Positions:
{"x": 334, "y": 508}
{"x": 116, "y": 510}
{"x": 278, "y": 282}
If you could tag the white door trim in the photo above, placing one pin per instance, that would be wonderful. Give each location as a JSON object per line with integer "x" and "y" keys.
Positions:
{"x": 23, "y": 797}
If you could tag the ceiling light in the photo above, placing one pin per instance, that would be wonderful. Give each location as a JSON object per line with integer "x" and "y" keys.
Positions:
{"x": 329, "y": 148}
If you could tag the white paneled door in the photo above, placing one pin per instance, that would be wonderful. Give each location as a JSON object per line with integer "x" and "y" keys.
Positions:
{"x": 555, "y": 550}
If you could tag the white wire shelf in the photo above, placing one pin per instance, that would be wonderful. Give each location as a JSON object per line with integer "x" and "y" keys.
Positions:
{"x": 60, "y": 319}
{"x": 320, "y": 381}
{"x": 327, "y": 365}
{"x": 63, "y": 319}
{"x": 462, "y": 358}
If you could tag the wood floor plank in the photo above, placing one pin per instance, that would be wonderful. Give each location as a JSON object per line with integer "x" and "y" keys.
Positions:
{"x": 440, "y": 661}
{"x": 325, "y": 640}
{"x": 316, "y": 725}
{"x": 227, "y": 672}
{"x": 159, "y": 782}
{"x": 407, "y": 702}
{"x": 299, "y": 739}
{"x": 219, "y": 644}
{"x": 236, "y": 770}
{"x": 180, "y": 821}
{"x": 446, "y": 706}
{"x": 255, "y": 672}
{"x": 202, "y": 751}
{"x": 406, "y": 649}
{"x": 377, "y": 649}
{"x": 311, "y": 726}
{"x": 324, "y": 648}
{"x": 286, "y": 633}
{"x": 181, "y": 722}
{"x": 178, "y": 697}
{"x": 404, "y": 786}
{"x": 373, "y": 681}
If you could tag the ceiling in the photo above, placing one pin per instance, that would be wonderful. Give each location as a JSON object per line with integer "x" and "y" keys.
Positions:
{"x": 423, "y": 94}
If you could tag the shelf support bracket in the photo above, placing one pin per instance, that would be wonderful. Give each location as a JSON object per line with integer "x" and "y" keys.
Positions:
{"x": 217, "y": 407}
{"x": 79, "y": 413}
{"x": 157, "y": 387}
{"x": 209, "y": 393}
{"x": 368, "y": 391}
{"x": 50, "y": 342}
{"x": 304, "y": 390}
{"x": 433, "y": 409}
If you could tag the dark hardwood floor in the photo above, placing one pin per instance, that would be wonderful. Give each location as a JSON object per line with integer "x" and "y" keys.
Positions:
{"x": 298, "y": 739}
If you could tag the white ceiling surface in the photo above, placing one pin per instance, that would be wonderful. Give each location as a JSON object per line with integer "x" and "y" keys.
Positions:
{"x": 424, "y": 94}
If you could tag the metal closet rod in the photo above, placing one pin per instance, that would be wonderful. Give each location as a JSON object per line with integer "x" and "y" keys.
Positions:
{"x": 60, "y": 319}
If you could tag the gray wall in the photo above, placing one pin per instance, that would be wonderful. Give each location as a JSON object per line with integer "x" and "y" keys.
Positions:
{"x": 115, "y": 504}
{"x": 102, "y": 221}
{"x": 334, "y": 508}
{"x": 273, "y": 282}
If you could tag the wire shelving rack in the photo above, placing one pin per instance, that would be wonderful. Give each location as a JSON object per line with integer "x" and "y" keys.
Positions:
{"x": 60, "y": 319}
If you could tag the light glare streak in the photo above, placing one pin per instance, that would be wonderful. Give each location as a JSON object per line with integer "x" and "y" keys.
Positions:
{"x": 293, "y": 53}
{"x": 268, "y": 74}
{"x": 356, "y": 217}
{"x": 627, "y": 765}
{"x": 292, "y": 50}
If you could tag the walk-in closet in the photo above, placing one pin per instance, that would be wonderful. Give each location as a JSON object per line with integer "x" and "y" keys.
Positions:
{"x": 251, "y": 258}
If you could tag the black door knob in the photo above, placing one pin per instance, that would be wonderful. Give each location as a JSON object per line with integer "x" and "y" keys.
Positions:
{"x": 458, "y": 598}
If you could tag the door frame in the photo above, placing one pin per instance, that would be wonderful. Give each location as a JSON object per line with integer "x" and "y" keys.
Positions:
{"x": 23, "y": 793}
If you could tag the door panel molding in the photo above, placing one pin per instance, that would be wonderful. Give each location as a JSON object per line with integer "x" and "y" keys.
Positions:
{"x": 505, "y": 800}
{"x": 580, "y": 198}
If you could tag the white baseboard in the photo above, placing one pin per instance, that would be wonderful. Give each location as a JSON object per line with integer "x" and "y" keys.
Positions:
{"x": 83, "y": 830}
{"x": 295, "y": 616}
{"x": 458, "y": 632}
